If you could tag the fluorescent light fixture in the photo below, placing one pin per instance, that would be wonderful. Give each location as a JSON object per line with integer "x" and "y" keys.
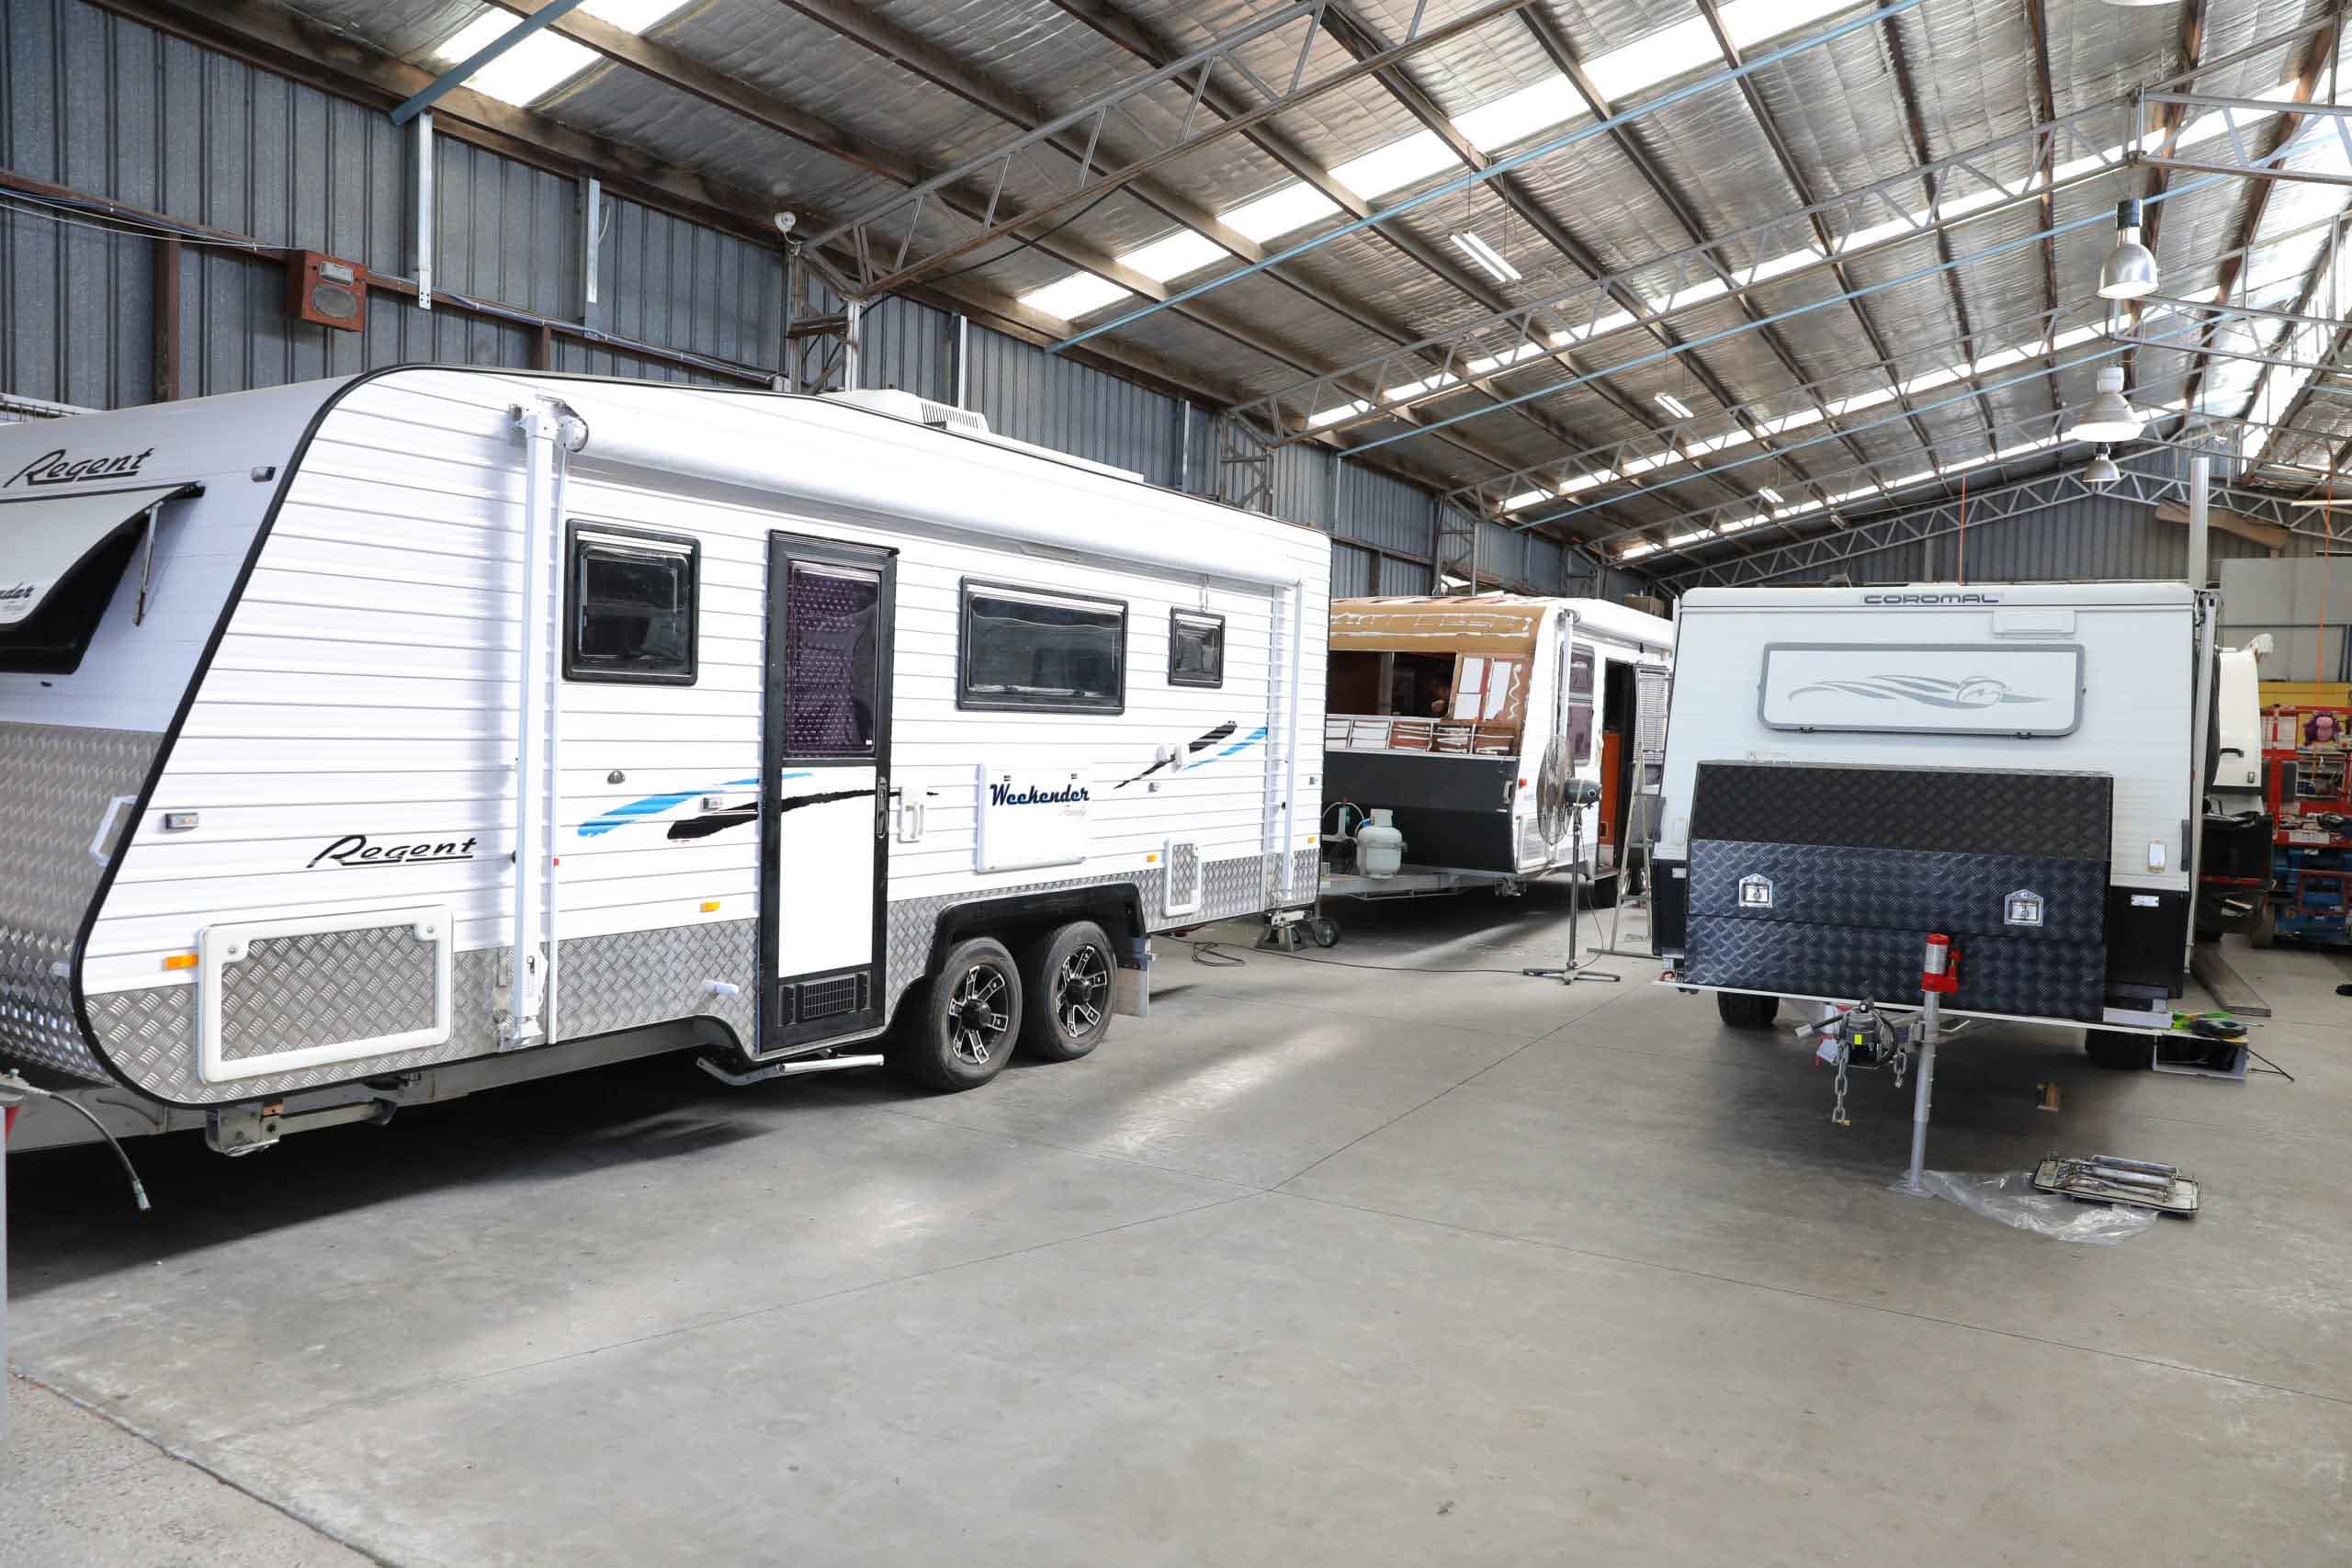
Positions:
{"x": 1768, "y": 494}
{"x": 1486, "y": 256}
{"x": 1074, "y": 296}
{"x": 546, "y": 60}
{"x": 1674, "y": 405}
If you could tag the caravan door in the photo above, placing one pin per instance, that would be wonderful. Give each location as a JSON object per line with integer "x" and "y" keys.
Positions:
{"x": 826, "y": 764}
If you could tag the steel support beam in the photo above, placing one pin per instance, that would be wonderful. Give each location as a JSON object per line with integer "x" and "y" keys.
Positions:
{"x": 1984, "y": 508}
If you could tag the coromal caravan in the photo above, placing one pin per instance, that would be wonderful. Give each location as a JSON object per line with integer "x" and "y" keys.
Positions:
{"x": 1458, "y": 715}
{"x": 372, "y": 741}
{"x": 2019, "y": 767}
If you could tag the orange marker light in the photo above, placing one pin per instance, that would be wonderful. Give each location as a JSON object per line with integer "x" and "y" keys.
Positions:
{"x": 709, "y": 906}
{"x": 180, "y": 961}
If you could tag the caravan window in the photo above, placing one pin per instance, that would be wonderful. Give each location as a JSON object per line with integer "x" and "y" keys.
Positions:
{"x": 630, "y": 606}
{"x": 1025, "y": 649}
{"x": 1195, "y": 649}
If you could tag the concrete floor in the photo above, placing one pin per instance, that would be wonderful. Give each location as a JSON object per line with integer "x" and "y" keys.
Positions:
{"x": 1316, "y": 1265}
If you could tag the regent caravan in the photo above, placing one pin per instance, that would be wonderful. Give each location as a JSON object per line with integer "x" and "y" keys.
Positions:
{"x": 1458, "y": 715}
{"x": 2020, "y": 767}
{"x": 370, "y": 742}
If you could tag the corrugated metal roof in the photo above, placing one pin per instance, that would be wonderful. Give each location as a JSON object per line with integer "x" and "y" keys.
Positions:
{"x": 1844, "y": 117}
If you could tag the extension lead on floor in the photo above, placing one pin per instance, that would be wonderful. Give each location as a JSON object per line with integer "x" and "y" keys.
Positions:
{"x": 15, "y": 1091}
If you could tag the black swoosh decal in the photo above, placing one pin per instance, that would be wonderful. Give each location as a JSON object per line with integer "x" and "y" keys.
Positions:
{"x": 710, "y": 822}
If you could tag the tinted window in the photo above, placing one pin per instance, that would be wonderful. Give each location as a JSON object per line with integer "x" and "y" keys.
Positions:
{"x": 631, "y": 600}
{"x": 1042, "y": 650}
{"x": 1579, "y": 705}
{"x": 829, "y": 632}
{"x": 1195, "y": 649}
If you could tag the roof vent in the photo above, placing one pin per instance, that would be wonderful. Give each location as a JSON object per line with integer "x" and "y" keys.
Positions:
{"x": 921, "y": 411}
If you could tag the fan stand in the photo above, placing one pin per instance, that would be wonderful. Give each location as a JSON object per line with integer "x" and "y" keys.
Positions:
{"x": 1575, "y": 968}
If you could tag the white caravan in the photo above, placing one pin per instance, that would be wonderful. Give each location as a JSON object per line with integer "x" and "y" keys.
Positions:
{"x": 2018, "y": 766}
{"x": 370, "y": 742}
{"x": 1463, "y": 715}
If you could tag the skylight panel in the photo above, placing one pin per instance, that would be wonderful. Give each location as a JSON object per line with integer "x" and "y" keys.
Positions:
{"x": 1399, "y": 163}
{"x": 1334, "y": 415}
{"x": 1280, "y": 210}
{"x": 1517, "y": 116}
{"x": 1074, "y": 296}
{"x": 1750, "y": 22}
{"x": 1627, "y": 69}
{"x": 1183, "y": 252}
{"x": 546, "y": 60}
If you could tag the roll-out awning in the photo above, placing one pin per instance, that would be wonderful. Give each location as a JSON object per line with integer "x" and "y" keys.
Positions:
{"x": 43, "y": 538}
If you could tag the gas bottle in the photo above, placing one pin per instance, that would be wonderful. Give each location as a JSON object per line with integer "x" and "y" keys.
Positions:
{"x": 1380, "y": 848}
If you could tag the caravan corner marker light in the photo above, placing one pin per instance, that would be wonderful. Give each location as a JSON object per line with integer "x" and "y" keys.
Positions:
{"x": 2130, "y": 270}
{"x": 2108, "y": 418}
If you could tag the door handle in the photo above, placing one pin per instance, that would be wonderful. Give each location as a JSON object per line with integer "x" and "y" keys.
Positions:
{"x": 910, "y": 816}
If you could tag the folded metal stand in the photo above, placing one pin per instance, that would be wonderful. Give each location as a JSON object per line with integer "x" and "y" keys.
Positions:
{"x": 2106, "y": 1179}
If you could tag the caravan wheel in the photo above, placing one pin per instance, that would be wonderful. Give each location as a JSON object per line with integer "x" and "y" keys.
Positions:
{"x": 1742, "y": 1010}
{"x": 1071, "y": 975}
{"x": 963, "y": 1032}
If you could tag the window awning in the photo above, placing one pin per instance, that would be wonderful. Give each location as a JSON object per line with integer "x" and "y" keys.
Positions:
{"x": 43, "y": 538}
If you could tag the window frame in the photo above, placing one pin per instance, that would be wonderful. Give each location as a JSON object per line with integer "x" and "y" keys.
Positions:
{"x": 687, "y": 544}
{"x": 1210, "y": 683}
{"x": 966, "y": 698}
{"x": 787, "y": 699}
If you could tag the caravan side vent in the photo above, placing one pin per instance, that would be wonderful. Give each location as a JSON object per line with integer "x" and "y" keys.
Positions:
{"x": 813, "y": 999}
{"x": 1183, "y": 880}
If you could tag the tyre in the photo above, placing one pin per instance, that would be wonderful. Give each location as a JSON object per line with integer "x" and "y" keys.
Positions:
{"x": 2118, "y": 1049}
{"x": 1323, "y": 931}
{"x": 1069, "y": 975}
{"x": 2263, "y": 929}
{"x": 967, "y": 1022}
{"x": 1743, "y": 1012}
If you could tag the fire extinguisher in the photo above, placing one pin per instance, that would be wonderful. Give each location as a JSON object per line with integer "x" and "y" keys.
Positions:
{"x": 1940, "y": 970}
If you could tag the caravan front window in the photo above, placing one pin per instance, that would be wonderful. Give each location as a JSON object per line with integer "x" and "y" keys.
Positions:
{"x": 629, "y": 605}
{"x": 1025, "y": 649}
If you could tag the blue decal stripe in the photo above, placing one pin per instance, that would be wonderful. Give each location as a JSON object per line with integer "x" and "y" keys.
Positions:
{"x": 1245, "y": 742}
{"x": 654, "y": 804}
